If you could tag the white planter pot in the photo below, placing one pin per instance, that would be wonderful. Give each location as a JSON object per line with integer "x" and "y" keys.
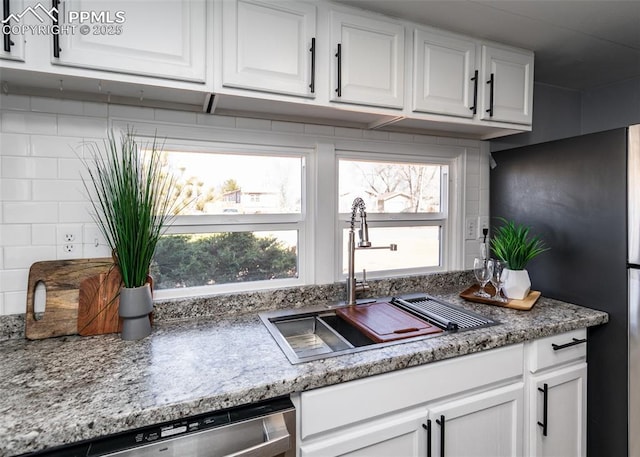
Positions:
{"x": 517, "y": 283}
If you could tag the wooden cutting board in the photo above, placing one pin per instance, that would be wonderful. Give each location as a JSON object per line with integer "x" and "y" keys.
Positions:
{"x": 381, "y": 321}
{"x": 61, "y": 279}
{"x": 523, "y": 305}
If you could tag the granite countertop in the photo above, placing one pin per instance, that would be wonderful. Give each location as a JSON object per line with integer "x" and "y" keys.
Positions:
{"x": 67, "y": 389}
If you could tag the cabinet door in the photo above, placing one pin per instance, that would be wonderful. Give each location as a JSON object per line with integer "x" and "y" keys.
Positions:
{"x": 164, "y": 38}
{"x": 269, "y": 46}
{"x": 562, "y": 431}
{"x": 507, "y": 82}
{"x": 489, "y": 424}
{"x": 12, "y": 40}
{"x": 401, "y": 435}
{"x": 368, "y": 63}
{"x": 445, "y": 76}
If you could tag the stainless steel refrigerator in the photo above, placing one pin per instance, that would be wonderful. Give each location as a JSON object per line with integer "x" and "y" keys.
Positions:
{"x": 582, "y": 195}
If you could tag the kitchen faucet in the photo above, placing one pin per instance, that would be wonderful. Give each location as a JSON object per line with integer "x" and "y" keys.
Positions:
{"x": 353, "y": 285}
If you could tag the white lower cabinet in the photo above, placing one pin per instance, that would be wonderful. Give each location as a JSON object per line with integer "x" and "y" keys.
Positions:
{"x": 557, "y": 398}
{"x": 489, "y": 424}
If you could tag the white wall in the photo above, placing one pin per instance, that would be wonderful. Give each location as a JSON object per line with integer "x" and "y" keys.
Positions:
{"x": 41, "y": 190}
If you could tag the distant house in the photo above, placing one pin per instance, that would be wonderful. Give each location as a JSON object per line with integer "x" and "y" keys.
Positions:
{"x": 393, "y": 202}
{"x": 252, "y": 201}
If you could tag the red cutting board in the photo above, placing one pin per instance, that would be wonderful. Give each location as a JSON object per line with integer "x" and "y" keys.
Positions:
{"x": 382, "y": 322}
{"x": 61, "y": 279}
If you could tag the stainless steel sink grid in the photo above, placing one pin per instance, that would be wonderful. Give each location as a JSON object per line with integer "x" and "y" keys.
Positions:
{"x": 316, "y": 333}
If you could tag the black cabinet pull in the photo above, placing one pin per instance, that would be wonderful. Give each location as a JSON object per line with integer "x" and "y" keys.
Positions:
{"x": 56, "y": 22}
{"x": 6, "y": 30}
{"x": 427, "y": 427}
{"x": 441, "y": 424}
{"x": 566, "y": 345}
{"x": 312, "y": 50}
{"x": 491, "y": 84}
{"x": 545, "y": 402}
{"x": 474, "y": 108}
{"x": 339, "y": 57}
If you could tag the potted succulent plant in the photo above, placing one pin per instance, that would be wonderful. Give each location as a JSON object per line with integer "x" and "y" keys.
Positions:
{"x": 133, "y": 203}
{"x": 513, "y": 245}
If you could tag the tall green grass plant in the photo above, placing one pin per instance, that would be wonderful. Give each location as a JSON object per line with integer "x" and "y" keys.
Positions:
{"x": 513, "y": 245}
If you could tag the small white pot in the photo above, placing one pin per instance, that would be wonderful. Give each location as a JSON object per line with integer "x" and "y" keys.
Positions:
{"x": 517, "y": 283}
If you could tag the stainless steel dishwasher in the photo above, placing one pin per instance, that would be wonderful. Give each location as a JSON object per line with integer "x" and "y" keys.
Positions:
{"x": 265, "y": 429}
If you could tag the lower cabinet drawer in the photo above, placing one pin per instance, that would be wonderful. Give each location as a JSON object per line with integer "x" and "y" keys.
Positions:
{"x": 557, "y": 349}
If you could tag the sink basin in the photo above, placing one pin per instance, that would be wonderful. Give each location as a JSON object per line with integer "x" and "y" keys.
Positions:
{"x": 319, "y": 332}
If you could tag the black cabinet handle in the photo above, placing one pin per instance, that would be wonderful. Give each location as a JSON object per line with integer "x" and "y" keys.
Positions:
{"x": 339, "y": 57}
{"x": 566, "y": 345}
{"x": 56, "y": 22}
{"x": 491, "y": 84}
{"x": 474, "y": 108}
{"x": 441, "y": 424}
{"x": 312, "y": 50}
{"x": 6, "y": 31}
{"x": 545, "y": 402}
{"x": 427, "y": 427}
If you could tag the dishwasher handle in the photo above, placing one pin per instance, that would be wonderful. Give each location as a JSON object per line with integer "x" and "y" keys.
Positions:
{"x": 277, "y": 439}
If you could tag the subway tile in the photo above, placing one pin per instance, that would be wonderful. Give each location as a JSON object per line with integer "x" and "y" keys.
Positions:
{"x": 56, "y": 146}
{"x": 56, "y": 106}
{"x": 2, "y": 312}
{"x": 29, "y": 212}
{"x": 375, "y": 135}
{"x": 43, "y": 234}
{"x": 75, "y": 212}
{"x": 14, "y": 280}
{"x": 16, "y": 257}
{"x": 287, "y": 127}
{"x": 315, "y": 129}
{"x": 469, "y": 143}
{"x": 347, "y": 132}
{"x": 29, "y": 167}
{"x": 15, "y": 302}
{"x": 14, "y": 121}
{"x": 95, "y": 109}
{"x": 15, "y": 189}
{"x": 473, "y": 182}
{"x": 253, "y": 124}
{"x": 425, "y": 139}
{"x": 131, "y": 112}
{"x": 14, "y": 144}
{"x": 446, "y": 141}
{"x": 400, "y": 137}
{"x": 57, "y": 190}
{"x": 14, "y": 102}
{"x": 82, "y": 126}
{"x": 71, "y": 169}
{"x": 472, "y": 207}
{"x": 215, "y": 120}
{"x": 15, "y": 234}
{"x": 180, "y": 117}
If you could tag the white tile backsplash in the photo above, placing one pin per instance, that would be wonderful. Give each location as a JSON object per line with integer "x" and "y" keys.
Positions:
{"x": 41, "y": 143}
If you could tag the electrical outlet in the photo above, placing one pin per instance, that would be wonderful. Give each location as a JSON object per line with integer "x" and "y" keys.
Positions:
{"x": 471, "y": 229}
{"x": 483, "y": 223}
{"x": 69, "y": 241}
{"x": 69, "y": 251}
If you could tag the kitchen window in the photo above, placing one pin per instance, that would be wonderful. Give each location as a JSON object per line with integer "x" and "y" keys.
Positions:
{"x": 242, "y": 225}
{"x": 407, "y": 205}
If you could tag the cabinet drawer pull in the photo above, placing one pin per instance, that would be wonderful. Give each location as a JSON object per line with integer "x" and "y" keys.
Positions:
{"x": 312, "y": 50}
{"x": 491, "y": 83}
{"x": 441, "y": 424}
{"x": 427, "y": 427}
{"x": 574, "y": 342}
{"x": 474, "y": 108}
{"x": 56, "y": 35}
{"x": 6, "y": 11}
{"x": 545, "y": 398}
{"x": 339, "y": 57}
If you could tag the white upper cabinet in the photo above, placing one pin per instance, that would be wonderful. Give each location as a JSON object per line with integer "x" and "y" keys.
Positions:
{"x": 507, "y": 80}
{"x": 445, "y": 74}
{"x": 165, "y": 38}
{"x": 12, "y": 44}
{"x": 269, "y": 46}
{"x": 367, "y": 66}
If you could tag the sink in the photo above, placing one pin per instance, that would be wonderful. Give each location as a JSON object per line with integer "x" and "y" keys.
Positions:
{"x": 318, "y": 332}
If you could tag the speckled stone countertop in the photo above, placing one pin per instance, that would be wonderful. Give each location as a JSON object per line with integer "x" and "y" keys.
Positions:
{"x": 67, "y": 389}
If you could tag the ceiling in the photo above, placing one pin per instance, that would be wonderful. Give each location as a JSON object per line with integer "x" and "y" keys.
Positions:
{"x": 578, "y": 44}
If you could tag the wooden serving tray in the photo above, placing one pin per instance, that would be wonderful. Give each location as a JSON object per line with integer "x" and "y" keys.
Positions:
{"x": 382, "y": 322}
{"x": 524, "y": 305}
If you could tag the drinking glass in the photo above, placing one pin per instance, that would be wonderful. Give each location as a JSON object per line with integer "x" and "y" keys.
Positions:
{"x": 497, "y": 279}
{"x": 482, "y": 269}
